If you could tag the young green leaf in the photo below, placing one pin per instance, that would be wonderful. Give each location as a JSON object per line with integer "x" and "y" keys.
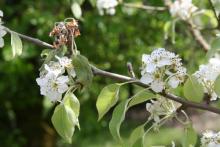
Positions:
{"x": 71, "y": 101}
{"x": 76, "y": 10}
{"x": 63, "y": 120}
{"x": 189, "y": 138}
{"x": 215, "y": 47}
{"x": 217, "y": 86}
{"x": 83, "y": 70}
{"x": 16, "y": 44}
{"x": 136, "y": 134}
{"x": 167, "y": 29}
{"x": 140, "y": 98}
{"x": 107, "y": 98}
{"x": 118, "y": 117}
{"x": 193, "y": 90}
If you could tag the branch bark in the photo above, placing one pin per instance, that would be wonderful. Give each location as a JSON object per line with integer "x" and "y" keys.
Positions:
{"x": 122, "y": 78}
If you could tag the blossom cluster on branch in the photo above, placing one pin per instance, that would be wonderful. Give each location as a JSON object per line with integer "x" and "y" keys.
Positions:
{"x": 52, "y": 81}
{"x": 162, "y": 66}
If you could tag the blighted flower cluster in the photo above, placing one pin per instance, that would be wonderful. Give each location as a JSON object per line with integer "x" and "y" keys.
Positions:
{"x": 2, "y": 31}
{"x": 63, "y": 31}
{"x": 52, "y": 81}
{"x": 210, "y": 139}
{"x": 207, "y": 75}
{"x": 182, "y": 9}
{"x": 161, "y": 66}
{"x": 160, "y": 107}
{"x": 106, "y": 6}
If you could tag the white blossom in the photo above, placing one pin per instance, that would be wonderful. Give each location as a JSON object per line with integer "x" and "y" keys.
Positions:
{"x": 65, "y": 62}
{"x": 160, "y": 107}
{"x": 2, "y": 31}
{"x": 210, "y": 139}
{"x": 107, "y": 6}
{"x": 207, "y": 75}
{"x": 159, "y": 66}
{"x": 53, "y": 86}
{"x": 182, "y": 9}
{"x": 52, "y": 81}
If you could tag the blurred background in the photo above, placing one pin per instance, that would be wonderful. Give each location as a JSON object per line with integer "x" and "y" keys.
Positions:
{"x": 109, "y": 42}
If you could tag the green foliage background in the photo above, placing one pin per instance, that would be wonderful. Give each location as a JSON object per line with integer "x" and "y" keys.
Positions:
{"x": 107, "y": 41}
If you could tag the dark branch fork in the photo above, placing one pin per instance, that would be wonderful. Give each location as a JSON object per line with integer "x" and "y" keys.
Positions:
{"x": 122, "y": 78}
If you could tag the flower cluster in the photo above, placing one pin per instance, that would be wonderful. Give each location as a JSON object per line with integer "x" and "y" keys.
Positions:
{"x": 159, "y": 108}
{"x": 210, "y": 139}
{"x": 52, "y": 82}
{"x": 161, "y": 66}
{"x": 207, "y": 75}
{"x": 63, "y": 30}
{"x": 107, "y": 6}
{"x": 2, "y": 31}
{"x": 182, "y": 9}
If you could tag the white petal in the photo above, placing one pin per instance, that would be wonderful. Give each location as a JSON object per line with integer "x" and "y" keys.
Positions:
{"x": 157, "y": 86}
{"x": 163, "y": 62}
{"x": 173, "y": 82}
{"x": 2, "y": 32}
{"x": 1, "y": 42}
{"x": 72, "y": 73}
{"x": 41, "y": 81}
{"x": 54, "y": 96}
{"x": 62, "y": 79}
{"x": 62, "y": 88}
{"x": 147, "y": 78}
{"x": 145, "y": 58}
{"x": 1, "y": 13}
{"x": 150, "y": 67}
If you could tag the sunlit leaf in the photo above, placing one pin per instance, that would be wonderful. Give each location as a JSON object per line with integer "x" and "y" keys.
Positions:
{"x": 16, "y": 44}
{"x": 189, "y": 138}
{"x": 215, "y": 47}
{"x": 193, "y": 90}
{"x": 140, "y": 98}
{"x": 71, "y": 100}
{"x": 63, "y": 120}
{"x": 107, "y": 98}
{"x": 167, "y": 28}
{"x": 93, "y": 2}
{"x": 118, "y": 117}
{"x": 76, "y": 9}
{"x": 136, "y": 134}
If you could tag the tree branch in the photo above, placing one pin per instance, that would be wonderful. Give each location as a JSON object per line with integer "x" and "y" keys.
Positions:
{"x": 198, "y": 36}
{"x": 216, "y": 15}
{"x": 122, "y": 78}
{"x": 30, "y": 39}
{"x": 144, "y": 7}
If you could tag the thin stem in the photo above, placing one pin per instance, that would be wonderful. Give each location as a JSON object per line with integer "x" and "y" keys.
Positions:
{"x": 215, "y": 13}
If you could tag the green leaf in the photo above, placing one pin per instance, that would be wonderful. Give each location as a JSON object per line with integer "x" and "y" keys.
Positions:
{"x": 215, "y": 47}
{"x": 193, "y": 90}
{"x": 118, "y": 117}
{"x": 16, "y": 44}
{"x": 83, "y": 70}
{"x": 63, "y": 120}
{"x": 76, "y": 9}
{"x": 45, "y": 53}
{"x": 136, "y": 134}
{"x": 140, "y": 98}
{"x": 167, "y": 28}
{"x": 190, "y": 137}
{"x": 93, "y": 2}
{"x": 217, "y": 86}
{"x": 71, "y": 101}
{"x": 107, "y": 98}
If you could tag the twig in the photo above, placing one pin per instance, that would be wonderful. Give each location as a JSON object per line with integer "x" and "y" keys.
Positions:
{"x": 216, "y": 15}
{"x": 130, "y": 69}
{"x": 144, "y": 7}
{"x": 198, "y": 36}
{"x": 30, "y": 39}
{"x": 122, "y": 78}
